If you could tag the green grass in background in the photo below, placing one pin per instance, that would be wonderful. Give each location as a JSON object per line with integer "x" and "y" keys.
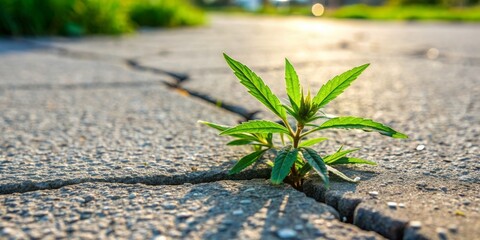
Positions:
{"x": 421, "y": 13}
{"x": 168, "y": 13}
{"x": 360, "y": 11}
{"x": 80, "y": 17}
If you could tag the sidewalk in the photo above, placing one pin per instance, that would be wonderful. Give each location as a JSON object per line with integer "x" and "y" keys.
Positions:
{"x": 99, "y": 135}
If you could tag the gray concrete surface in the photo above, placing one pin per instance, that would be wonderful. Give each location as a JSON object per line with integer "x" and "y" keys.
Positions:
{"x": 220, "y": 210}
{"x": 76, "y": 110}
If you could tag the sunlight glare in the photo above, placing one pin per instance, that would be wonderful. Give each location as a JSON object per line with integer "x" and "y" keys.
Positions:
{"x": 318, "y": 9}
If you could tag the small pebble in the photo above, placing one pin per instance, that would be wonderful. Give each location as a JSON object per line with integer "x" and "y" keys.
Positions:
{"x": 169, "y": 206}
{"x": 392, "y": 205}
{"x": 401, "y": 205}
{"x": 416, "y": 224}
{"x": 286, "y": 233}
{"x": 245, "y": 201}
{"x": 298, "y": 227}
{"x": 453, "y": 228}
{"x": 442, "y": 233}
{"x": 88, "y": 198}
{"x": 237, "y": 212}
{"x": 420, "y": 147}
{"x": 184, "y": 215}
{"x": 373, "y": 193}
{"x": 132, "y": 196}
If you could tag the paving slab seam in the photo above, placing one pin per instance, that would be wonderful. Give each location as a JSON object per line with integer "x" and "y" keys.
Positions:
{"x": 177, "y": 85}
{"x": 192, "y": 178}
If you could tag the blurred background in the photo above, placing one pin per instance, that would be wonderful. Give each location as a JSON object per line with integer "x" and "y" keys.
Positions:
{"x": 81, "y": 17}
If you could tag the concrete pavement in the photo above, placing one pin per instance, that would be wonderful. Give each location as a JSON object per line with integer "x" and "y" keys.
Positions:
{"x": 86, "y": 116}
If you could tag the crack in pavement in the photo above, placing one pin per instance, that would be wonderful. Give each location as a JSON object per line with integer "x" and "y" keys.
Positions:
{"x": 192, "y": 177}
{"x": 133, "y": 64}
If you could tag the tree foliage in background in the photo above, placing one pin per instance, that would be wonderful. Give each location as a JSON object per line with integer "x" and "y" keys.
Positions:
{"x": 79, "y": 17}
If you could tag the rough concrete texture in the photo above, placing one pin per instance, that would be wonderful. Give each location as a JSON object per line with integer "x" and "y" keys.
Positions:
{"x": 221, "y": 210}
{"x": 405, "y": 205}
{"x": 138, "y": 134}
{"x": 76, "y": 111}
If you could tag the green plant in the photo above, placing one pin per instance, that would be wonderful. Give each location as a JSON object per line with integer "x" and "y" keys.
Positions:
{"x": 294, "y": 160}
{"x": 79, "y": 17}
{"x": 169, "y": 13}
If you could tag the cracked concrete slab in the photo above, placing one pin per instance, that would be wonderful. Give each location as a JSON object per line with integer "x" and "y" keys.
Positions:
{"x": 406, "y": 205}
{"x": 55, "y": 137}
{"x": 219, "y": 210}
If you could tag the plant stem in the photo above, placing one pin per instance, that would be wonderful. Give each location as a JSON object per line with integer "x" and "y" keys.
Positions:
{"x": 296, "y": 140}
{"x": 297, "y": 136}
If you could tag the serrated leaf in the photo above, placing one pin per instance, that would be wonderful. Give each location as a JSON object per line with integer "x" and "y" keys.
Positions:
{"x": 337, "y": 85}
{"x": 224, "y": 127}
{"x": 239, "y": 142}
{"x": 293, "y": 84}
{"x": 256, "y": 87}
{"x": 256, "y": 126}
{"x": 350, "y": 160}
{"x": 311, "y": 142}
{"x": 340, "y": 174}
{"x": 214, "y": 125}
{"x": 317, "y": 163}
{"x": 339, "y": 154}
{"x": 283, "y": 162}
{"x": 246, "y": 161}
{"x": 362, "y": 124}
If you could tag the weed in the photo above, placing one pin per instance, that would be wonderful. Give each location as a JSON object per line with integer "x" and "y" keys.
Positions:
{"x": 295, "y": 158}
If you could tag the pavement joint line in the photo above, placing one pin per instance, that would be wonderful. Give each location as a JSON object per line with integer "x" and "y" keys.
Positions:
{"x": 179, "y": 77}
{"x": 158, "y": 180}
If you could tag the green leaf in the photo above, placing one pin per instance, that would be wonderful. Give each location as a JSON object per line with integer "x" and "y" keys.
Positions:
{"x": 311, "y": 142}
{"x": 340, "y": 174}
{"x": 239, "y": 142}
{"x": 283, "y": 162}
{"x": 246, "y": 161}
{"x": 350, "y": 160}
{"x": 256, "y": 126}
{"x": 256, "y": 87}
{"x": 223, "y": 128}
{"x": 293, "y": 84}
{"x": 361, "y": 123}
{"x": 214, "y": 125}
{"x": 339, "y": 154}
{"x": 317, "y": 163}
{"x": 337, "y": 85}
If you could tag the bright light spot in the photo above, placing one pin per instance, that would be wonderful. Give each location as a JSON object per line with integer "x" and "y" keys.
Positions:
{"x": 433, "y": 53}
{"x": 318, "y": 9}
